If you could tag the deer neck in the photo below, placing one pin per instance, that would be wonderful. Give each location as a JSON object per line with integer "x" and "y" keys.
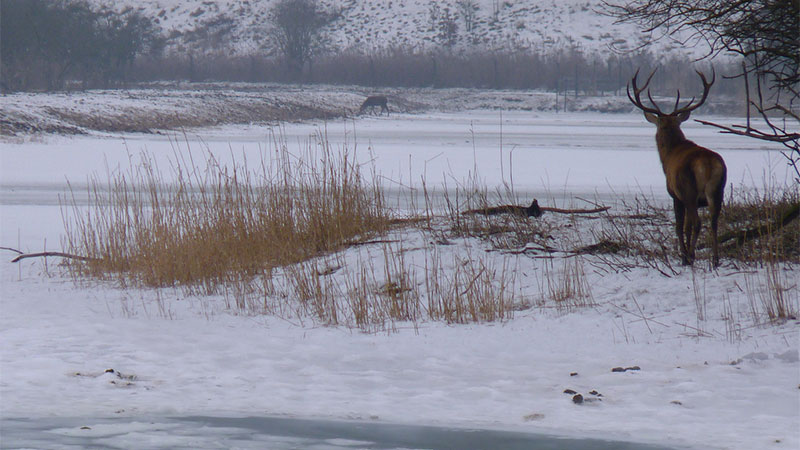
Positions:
{"x": 667, "y": 139}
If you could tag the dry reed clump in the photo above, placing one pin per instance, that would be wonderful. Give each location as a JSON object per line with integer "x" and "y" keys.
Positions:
{"x": 225, "y": 223}
{"x": 379, "y": 292}
{"x": 469, "y": 288}
{"x": 755, "y": 227}
{"x": 568, "y": 288}
{"x": 773, "y": 295}
{"x": 761, "y": 226}
{"x": 266, "y": 239}
{"x": 378, "y": 297}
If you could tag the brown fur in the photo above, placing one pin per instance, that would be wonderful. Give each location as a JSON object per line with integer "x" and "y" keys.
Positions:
{"x": 695, "y": 175}
{"x": 375, "y": 100}
{"x": 695, "y": 178}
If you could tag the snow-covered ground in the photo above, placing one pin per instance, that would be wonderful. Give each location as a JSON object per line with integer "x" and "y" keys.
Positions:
{"x": 185, "y": 105}
{"x": 708, "y": 376}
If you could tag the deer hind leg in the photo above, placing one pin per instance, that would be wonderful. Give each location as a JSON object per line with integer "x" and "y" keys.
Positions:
{"x": 714, "y": 244}
{"x": 692, "y": 232}
{"x": 715, "y": 208}
{"x": 680, "y": 217}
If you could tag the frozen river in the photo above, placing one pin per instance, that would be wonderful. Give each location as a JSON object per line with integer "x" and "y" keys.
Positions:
{"x": 553, "y": 157}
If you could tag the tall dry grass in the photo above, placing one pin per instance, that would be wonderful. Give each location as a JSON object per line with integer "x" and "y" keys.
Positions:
{"x": 215, "y": 227}
{"x": 569, "y": 287}
{"x": 204, "y": 228}
{"x": 469, "y": 288}
{"x": 267, "y": 235}
{"x": 400, "y": 286}
{"x": 756, "y": 228}
{"x": 760, "y": 214}
{"x": 773, "y": 294}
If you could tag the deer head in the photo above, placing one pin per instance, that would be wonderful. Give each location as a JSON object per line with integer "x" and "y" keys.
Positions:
{"x": 668, "y": 121}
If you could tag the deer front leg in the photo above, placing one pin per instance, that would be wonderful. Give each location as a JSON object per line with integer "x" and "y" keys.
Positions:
{"x": 680, "y": 215}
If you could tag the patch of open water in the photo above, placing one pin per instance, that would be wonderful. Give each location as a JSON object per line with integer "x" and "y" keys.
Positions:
{"x": 278, "y": 433}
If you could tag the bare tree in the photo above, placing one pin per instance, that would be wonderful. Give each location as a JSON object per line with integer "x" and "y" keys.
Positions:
{"x": 297, "y": 27}
{"x": 763, "y": 32}
{"x": 468, "y": 9}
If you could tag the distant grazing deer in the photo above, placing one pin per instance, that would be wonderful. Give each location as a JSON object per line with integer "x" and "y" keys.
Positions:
{"x": 375, "y": 100}
{"x": 695, "y": 175}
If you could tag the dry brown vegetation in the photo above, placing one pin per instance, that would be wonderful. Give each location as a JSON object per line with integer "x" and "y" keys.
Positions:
{"x": 310, "y": 237}
{"x": 207, "y": 228}
{"x": 134, "y": 120}
{"x": 762, "y": 226}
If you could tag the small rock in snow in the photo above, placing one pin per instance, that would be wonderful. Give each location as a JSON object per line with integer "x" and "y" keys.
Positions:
{"x": 532, "y": 417}
{"x": 625, "y": 369}
{"x": 570, "y": 391}
{"x": 577, "y": 399}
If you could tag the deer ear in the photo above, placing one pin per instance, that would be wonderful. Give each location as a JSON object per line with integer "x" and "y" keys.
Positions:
{"x": 684, "y": 115}
{"x": 652, "y": 118}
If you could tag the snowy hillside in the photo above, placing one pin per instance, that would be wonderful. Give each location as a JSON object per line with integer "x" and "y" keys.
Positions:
{"x": 241, "y": 26}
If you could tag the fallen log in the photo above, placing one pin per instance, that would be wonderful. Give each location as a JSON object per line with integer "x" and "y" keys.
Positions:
{"x": 576, "y": 211}
{"x": 45, "y": 254}
{"x": 534, "y": 210}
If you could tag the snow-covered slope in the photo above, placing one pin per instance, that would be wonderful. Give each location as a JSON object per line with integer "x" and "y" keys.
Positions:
{"x": 241, "y": 26}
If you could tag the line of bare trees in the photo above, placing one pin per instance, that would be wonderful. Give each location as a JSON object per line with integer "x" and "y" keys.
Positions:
{"x": 569, "y": 72}
{"x": 55, "y": 44}
{"x": 47, "y": 43}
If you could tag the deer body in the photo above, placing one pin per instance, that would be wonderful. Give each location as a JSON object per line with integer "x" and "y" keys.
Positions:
{"x": 375, "y": 100}
{"x": 695, "y": 175}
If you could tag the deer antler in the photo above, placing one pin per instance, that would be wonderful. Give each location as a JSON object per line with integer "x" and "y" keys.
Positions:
{"x": 636, "y": 99}
{"x": 706, "y": 89}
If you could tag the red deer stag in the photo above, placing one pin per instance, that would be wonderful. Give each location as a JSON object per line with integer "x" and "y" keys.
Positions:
{"x": 695, "y": 175}
{"x": 375, "y": 100}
